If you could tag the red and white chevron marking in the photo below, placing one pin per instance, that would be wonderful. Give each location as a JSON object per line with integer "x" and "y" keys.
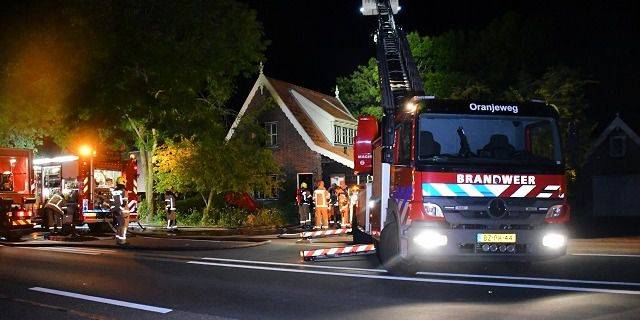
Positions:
{"x": 335, "y": 252}
{"x": 313, "y": 234}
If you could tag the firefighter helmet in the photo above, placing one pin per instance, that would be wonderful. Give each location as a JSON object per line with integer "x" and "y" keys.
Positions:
{"x": 303, "y": 185}
{"x": 121, "y": 181}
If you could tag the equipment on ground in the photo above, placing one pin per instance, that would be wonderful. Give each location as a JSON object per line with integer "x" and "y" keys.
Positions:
{"x": 454, "y": 180}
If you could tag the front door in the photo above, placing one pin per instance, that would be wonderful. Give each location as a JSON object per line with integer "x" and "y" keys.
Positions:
{"x": 306, "y": 178}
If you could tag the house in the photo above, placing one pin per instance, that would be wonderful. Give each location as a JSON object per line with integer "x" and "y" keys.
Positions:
{"x": 610, "y": 182}
{"x": 311, "y": 135}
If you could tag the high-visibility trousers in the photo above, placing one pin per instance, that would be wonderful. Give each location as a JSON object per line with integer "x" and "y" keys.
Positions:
{"x": 322, "y": 217}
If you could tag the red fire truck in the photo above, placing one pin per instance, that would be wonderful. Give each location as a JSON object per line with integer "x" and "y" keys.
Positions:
{"x": 86, "y": 180}
{"x": 16, "y": 197}
{"x": 455, "y": 180}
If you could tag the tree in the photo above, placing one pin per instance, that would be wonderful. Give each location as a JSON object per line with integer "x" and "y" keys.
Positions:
{"x": 510, "y": 59}
{"x": 361, "y": 90}
{"x": 43, "y": 66}
{"x": 212, "y": 165}
{"x": 165, "y": 69}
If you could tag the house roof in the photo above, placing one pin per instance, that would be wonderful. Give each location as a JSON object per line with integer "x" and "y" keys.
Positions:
{"x": 285, "y": 96}
{"x": 615, "y": 124}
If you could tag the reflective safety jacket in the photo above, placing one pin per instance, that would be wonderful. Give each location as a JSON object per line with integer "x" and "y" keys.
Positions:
{"x": 305, "y": 196}
{"x": 118, "y": 198}
{"x": 169, "y": 202}
{"x": 56, "y": 203}
{"x": 321, "y": 198}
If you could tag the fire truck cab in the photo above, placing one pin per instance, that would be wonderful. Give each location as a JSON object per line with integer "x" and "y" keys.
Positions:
{"x": 469, "y": 181}
{"x": 16, "y": 197}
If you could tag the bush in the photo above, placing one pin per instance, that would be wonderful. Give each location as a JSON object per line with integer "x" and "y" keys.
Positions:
{"x": 266, "y": 217}
{"x": 231, "y": 217}
{"x": 143, "y": 213}
{"x": 190, "y": 205}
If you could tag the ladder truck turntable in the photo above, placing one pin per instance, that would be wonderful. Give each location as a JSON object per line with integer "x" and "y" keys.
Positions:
{"x": 452, "y": 180}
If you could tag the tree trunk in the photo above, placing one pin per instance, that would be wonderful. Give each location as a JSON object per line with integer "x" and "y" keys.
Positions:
{"x": 147, "y": 158}
{"x": 206, "y": 215}
{"x": 147, "y": 143}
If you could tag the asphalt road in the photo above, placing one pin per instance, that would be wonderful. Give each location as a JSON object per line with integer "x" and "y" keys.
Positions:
{"x": 270, "y": 281}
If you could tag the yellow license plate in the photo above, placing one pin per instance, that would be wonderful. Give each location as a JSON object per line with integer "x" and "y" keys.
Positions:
{"x": 496, "y": 238}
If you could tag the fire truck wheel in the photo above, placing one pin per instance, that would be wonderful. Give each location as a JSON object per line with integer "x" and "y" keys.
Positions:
{"x": 389, "y": 251}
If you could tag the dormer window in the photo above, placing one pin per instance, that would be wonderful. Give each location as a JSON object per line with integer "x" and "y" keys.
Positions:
{"x": 343, "y": 135}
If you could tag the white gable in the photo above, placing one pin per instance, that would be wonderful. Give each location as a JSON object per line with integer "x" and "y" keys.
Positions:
{"x": 261, "y": 83}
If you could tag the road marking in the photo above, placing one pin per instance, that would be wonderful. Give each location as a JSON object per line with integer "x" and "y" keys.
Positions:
{"x": 295, "y": 265}
{"x": 463, "y": 275}
{"x": 103, "y": 300}
{"x": 85, "y": 251}
{"x": 606, "y": 255}
{"x": 426, "y": 280}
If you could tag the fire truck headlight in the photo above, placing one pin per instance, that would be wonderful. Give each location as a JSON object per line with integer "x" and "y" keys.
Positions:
{"x": 430, "y": 239}
{"x": 554, "y": 240}
{"x": 432, "y": 209}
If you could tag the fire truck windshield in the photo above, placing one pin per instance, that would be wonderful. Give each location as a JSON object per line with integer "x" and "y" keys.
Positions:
{"x": 488, "y": 140}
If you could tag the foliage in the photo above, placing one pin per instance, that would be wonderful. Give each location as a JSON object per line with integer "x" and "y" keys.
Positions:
{"x": 266, "y": 217}
{"x": 165, "y": 70}
{"x": 511, "y": 59}
{"x": 232, "y": 217}
{"x": 360, "y": 90}
{"x": 43, "y": 67}
{"x": 209, "y": 165}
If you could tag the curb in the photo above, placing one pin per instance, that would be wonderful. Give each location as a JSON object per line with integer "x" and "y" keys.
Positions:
{"x": 206, "y": 238}
{"x": 240, "y": 245}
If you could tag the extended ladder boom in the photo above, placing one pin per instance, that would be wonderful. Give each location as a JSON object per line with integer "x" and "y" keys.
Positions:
{"x": 399, "y": 76}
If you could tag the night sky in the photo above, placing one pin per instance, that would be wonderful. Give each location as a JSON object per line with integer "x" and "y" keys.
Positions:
{"x": 313, "y": 42}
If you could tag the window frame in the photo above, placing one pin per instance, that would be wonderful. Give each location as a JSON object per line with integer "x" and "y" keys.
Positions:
{"x": 623, "y": 146}
{"x": 271, "y": 135}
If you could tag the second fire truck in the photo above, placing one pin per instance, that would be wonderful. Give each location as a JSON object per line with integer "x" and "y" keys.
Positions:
{"x": 455, "y": 180}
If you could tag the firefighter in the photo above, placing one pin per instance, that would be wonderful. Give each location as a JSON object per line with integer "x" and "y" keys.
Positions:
{"x": 321, "y": 200}
{"x": 343, "y": 203}
{"x": 170, "y": 209}
{"x": 304, "y": 203}
{"x": 335, "y": 191}
{"x": 118, "y": 205}
{"x": 54, "y": 211}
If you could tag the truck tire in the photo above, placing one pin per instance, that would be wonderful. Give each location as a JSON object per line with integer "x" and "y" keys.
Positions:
{"x": 389, "y": 251}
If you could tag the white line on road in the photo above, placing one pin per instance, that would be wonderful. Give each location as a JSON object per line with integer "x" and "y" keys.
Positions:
{"x": 295, "y": 265}
{"x": 606, "y": 255}
{"x": 103, "y": 300}
{"x": 443, "y": 274}
{"x": 426, "y": 280}
{"x": 486, "y": 276}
